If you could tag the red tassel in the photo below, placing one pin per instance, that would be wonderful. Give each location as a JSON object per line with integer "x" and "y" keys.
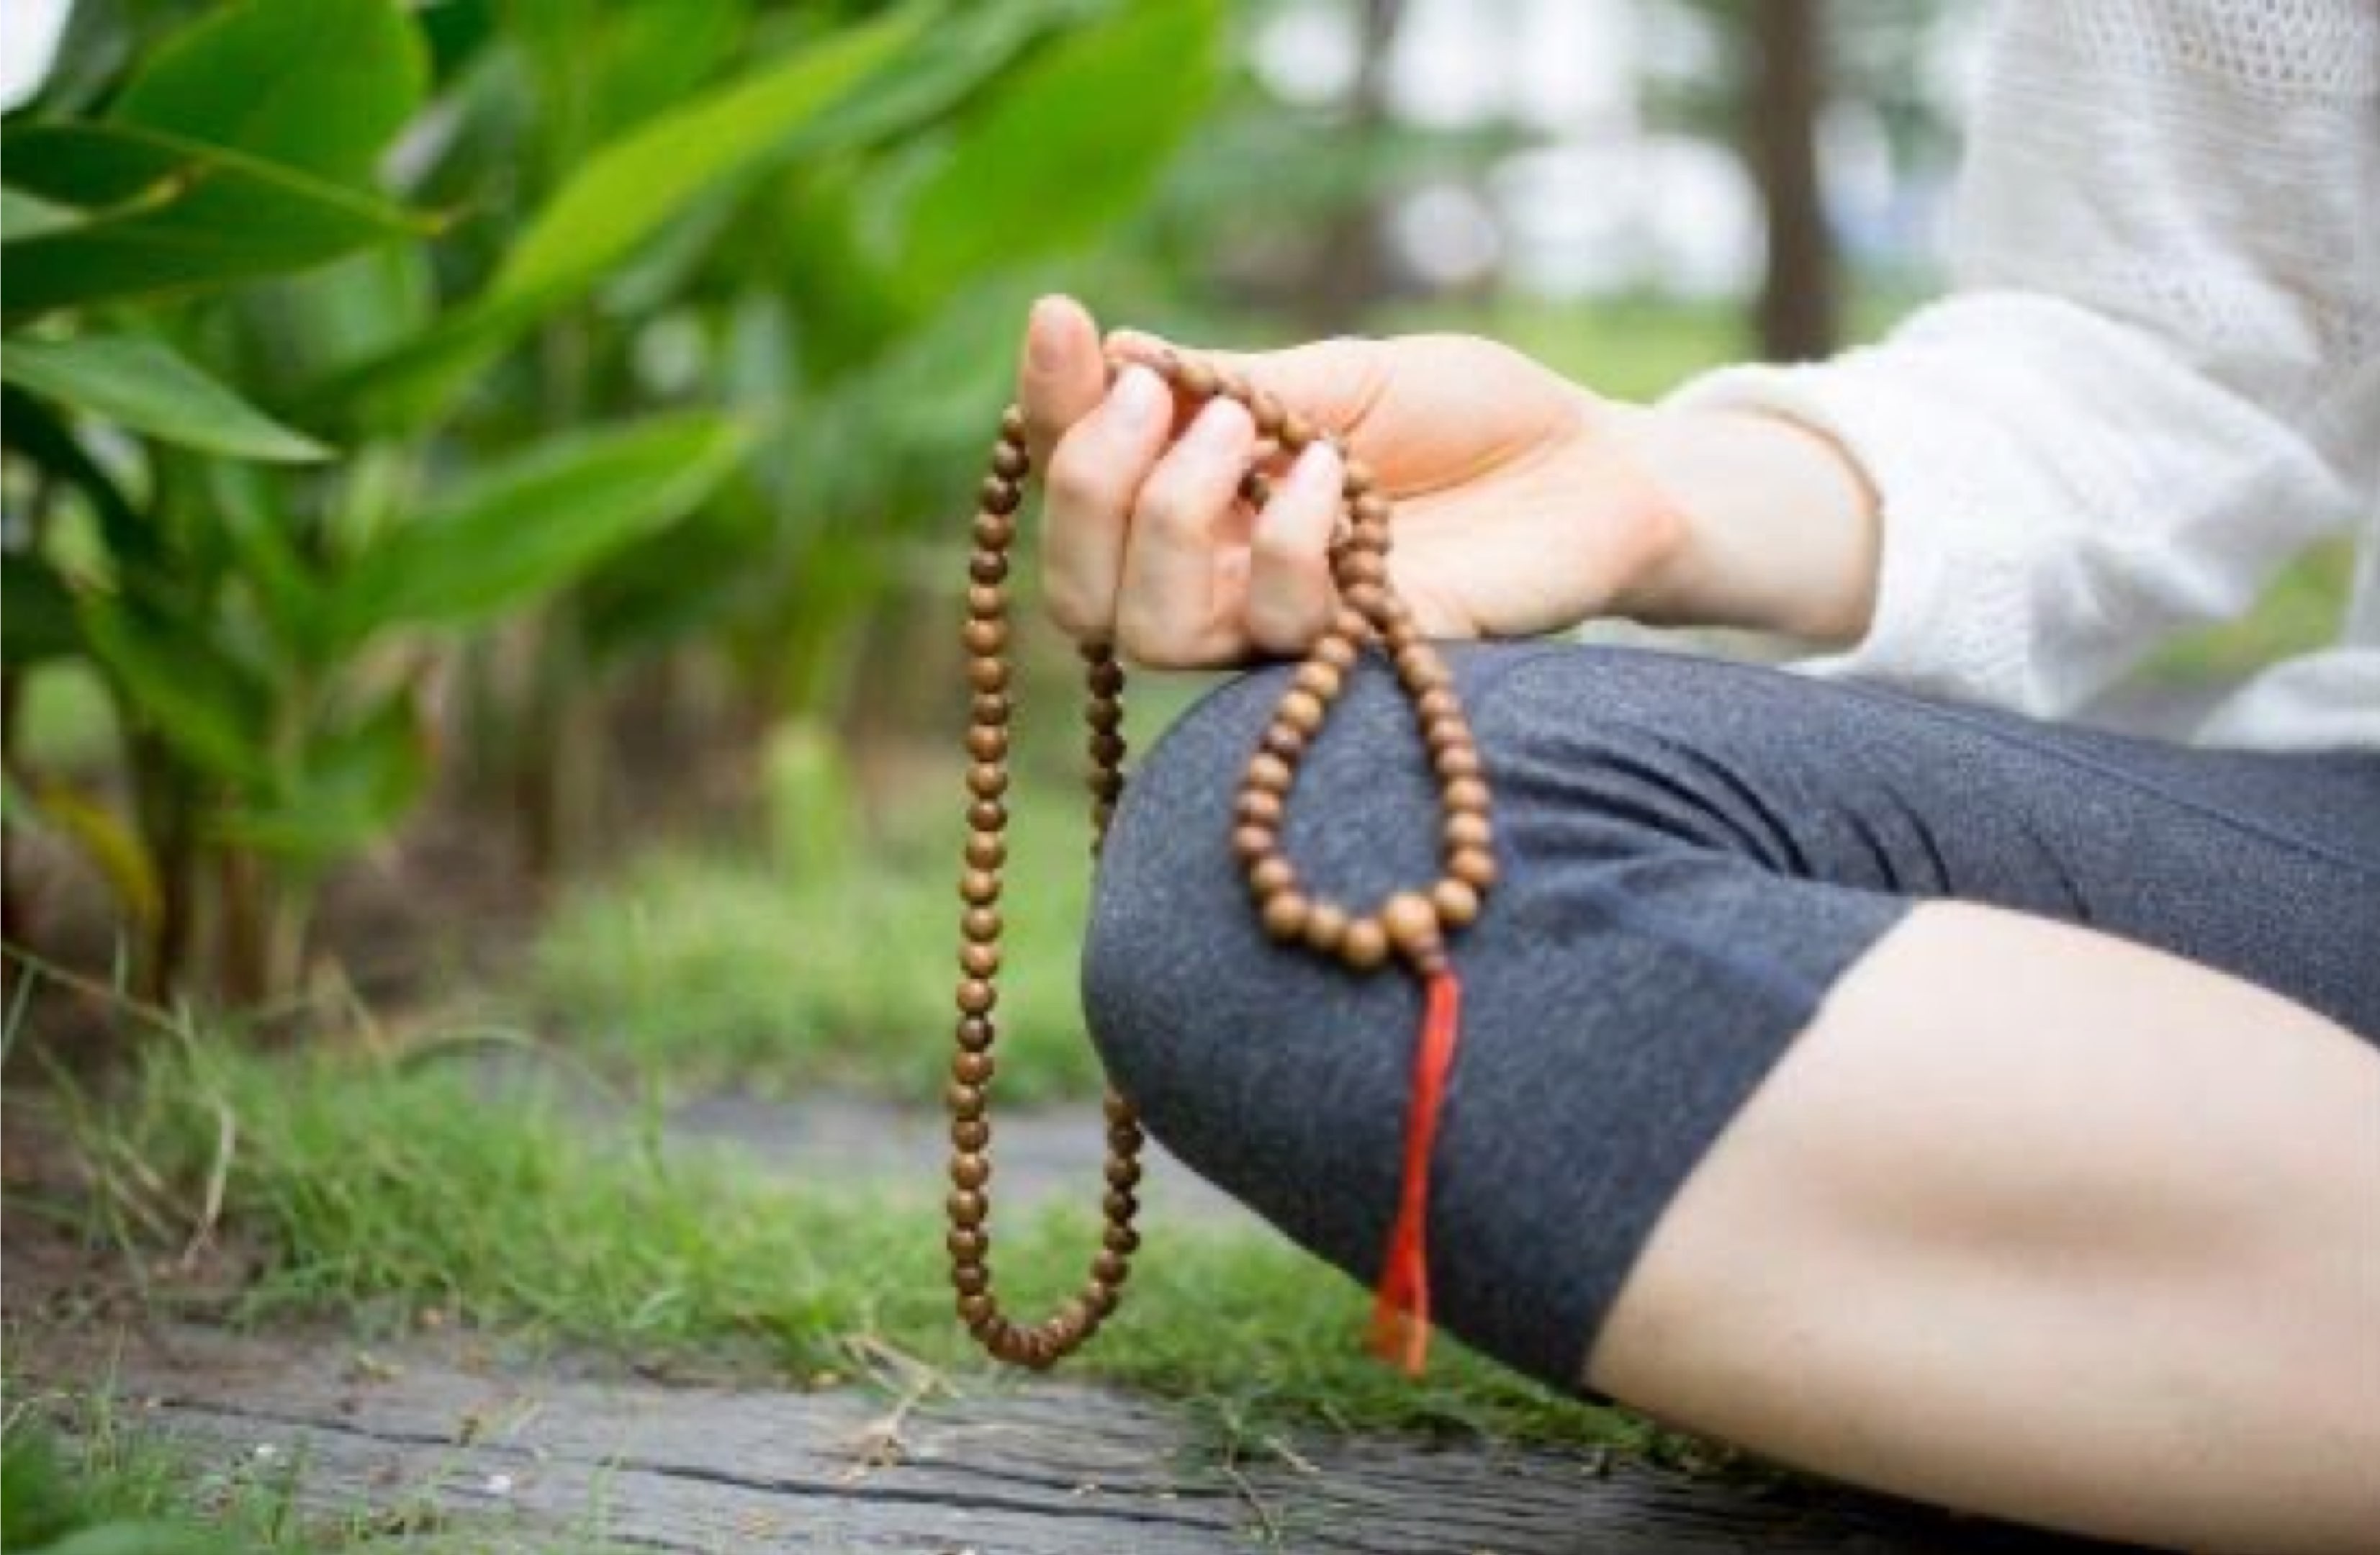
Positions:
{"x": 1401, "y": 1304}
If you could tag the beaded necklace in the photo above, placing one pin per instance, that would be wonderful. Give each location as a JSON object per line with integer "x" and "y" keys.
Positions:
{"x": 1411, "y": 927}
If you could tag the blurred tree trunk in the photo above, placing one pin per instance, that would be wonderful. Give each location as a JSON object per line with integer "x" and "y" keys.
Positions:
{"x": 1799, "y": 306}
{"x": 1349, "y": 270}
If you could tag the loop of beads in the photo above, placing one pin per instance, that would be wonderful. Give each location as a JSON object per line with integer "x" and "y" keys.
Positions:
{"x": 1412, "y": 925}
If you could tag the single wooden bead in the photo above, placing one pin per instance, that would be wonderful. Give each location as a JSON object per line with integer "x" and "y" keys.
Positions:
{"x": 1118, "y": 1111}
{"x": 1460, "y": 761}
{"x": 1269, "y": 773}
{"x": 997, "y": 495}
{"x": 1465, "y": 796}
{"x": 1107, "y": 749}
{"x": 1282, "y": 741}
{"x": 1336, "y": 651}
{"x": 1009, "y": 462}
{"x": 1122, "y": 1173}
{"x": 989, "y": 708}
{"x": 1319, "y": 680}
{"x": 1326, "y": 926}
{"x": 1367, "y": 600}
{"x": 1411, "y": 920}
{"x": 987, "y": 742}
{"x": 973, "y": 1068}
{"x": 1365, "y": 945}
{"x": 976, "y": 1310}
{"x": 1105, "y": 784}
{"x": 1302, "y": 710}
{"x": 974, "y": 1033}
{"x": 967, "y": 1208}
{"x": 1475, "y": 867}
{"x": 1272, "y": 875}
{"x": 1356, "y": 478}
{"x": 975, "y": 997}
{"x": 988, "y": 815}
{"x": 1467, "y": 830}
{"x": 1252, "y": 843}
{"x": 1120, "y": 1239}
{"x": 1197, "y": 380}
{"x": 1457, "y": 902}
{"x": 1119, "y": 1205}
{"x": 1359, "y": 569}
{"x": 994, "y": 532}
{"x": 988, "y": 675}
{"x": 980, "y": 924}
{"x": 988, "y": 568}
{"x": 1104, "y": 715}
{"x": 965, "y": 1103}
{"x": 988, "y": 780}
{"x": 970, "y": 1279}
{"x": 1295, "y": 433}
{"x": 1257, "y": 806}
{"x": 971, "y": 1244}
{"x": 1105, "y": 676}
{"x": 1012, "y": 423}
{"x": 1100, "y": 1299}
{"x": 1255, "y": 488}
{"x": 1265, "y": 409}
{"x": 985, "y": 602}
{"x": 985, "y": 637}
{"x": 1110, "y": 1269}
{"x": 1125, "y": 1138}
{"x": 1234, "y": 384}
{"x": 1284, "y": 914}
{"x": 970, "y": 1170}
{"x": 1446, "y": 734}
{"x": 972, "y": 1134}
{"x": 1437, "y": 704}
{"x": 979, "y": 888}
{"x": 1371, "y": 508}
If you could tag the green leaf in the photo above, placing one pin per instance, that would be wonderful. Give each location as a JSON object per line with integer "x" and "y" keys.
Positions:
{"x": 523, "y": 527}
{"x": 165, "y": 216}
{"x": 172, "y": 678}
{"x": 321, "y": 85}
{"x": 1062, "y": 149}
{"x": 37, "y": 611}
{"x": 353, "y": 785}
{"x": 141, "y": 385}
{"x": 632, "y": 188}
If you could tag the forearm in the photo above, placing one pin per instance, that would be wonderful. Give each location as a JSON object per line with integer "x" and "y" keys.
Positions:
{"x": 1778, "y": 527}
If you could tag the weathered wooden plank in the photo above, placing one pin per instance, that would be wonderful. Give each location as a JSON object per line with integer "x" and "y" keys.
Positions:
{"x": 563, "y": 1452}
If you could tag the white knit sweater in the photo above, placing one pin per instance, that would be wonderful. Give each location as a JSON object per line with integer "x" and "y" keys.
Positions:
{"x": 2158, "y": 376}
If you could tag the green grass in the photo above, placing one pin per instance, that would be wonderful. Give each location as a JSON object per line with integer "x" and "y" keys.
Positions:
{"x": 380, "y": 1191}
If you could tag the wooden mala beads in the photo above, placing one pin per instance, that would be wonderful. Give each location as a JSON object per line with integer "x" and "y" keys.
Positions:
{"x": 1411, "y": 927}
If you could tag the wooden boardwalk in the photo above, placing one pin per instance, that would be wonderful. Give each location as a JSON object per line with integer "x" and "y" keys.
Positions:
{"x": 434, "y": 1433}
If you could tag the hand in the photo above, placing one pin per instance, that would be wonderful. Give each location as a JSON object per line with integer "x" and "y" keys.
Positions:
{"x": 1518, "y": 507}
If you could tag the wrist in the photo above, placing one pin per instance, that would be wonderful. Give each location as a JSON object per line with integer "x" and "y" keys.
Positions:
{"x": 1772, "y": 526}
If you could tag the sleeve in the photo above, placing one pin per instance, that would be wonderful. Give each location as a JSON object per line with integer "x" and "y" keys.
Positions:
{"x": 2154, "y": 380}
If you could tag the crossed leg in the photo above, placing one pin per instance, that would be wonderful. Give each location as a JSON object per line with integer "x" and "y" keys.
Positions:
{"x": 1821, "y": 1089}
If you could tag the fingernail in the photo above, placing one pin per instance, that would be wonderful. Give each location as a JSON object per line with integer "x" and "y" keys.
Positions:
{"x": 1319, "y": 465}
{"x": 1138, "y": 396}
{"x": 1043, "y": 349}
{"x": 1219, "y": 423}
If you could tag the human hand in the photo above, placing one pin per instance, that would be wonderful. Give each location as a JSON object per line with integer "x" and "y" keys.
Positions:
{"x": 1519, "y": 508}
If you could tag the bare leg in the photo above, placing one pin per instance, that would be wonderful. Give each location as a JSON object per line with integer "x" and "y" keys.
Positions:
{"x": 2043, "y": 1223}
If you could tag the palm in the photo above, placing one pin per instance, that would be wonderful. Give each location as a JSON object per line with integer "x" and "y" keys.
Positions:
{"x": 1512, "y": 518}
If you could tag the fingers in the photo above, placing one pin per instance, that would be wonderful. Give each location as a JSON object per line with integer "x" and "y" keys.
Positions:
{"x": 1172, "y": 609}
{"x": 1337, "y": 382}
{"x": 1290, "y": 596}
{"x": 1095, "y": 476}
{"x": 1060, "y": 374}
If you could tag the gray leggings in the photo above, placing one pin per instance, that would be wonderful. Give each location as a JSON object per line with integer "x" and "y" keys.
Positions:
{"x": 1692, "y": 852}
